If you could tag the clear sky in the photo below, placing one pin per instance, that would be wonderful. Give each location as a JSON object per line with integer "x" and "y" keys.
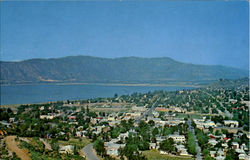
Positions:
{"x": 199, "y": 32}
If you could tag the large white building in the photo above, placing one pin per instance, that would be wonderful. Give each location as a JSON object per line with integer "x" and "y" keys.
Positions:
{"x": 231, "y": 123}
{"x": 177, "y": 138}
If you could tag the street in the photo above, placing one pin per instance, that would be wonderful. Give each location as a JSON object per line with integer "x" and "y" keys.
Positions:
{"x": 148, "y": 112}
{"x": 88, "y": 151}
{"x": 198, "y": 149}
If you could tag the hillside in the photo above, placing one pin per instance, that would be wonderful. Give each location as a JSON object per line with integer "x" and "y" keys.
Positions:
{"x": 117, "y": 70}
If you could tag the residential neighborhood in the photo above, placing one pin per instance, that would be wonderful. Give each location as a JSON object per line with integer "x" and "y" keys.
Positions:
{"x": 187, "y": 124}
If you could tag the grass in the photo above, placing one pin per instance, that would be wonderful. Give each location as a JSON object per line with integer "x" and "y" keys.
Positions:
{"x": 183, "y": 115}
{"x": 80, "y": 143}
{"x": 155, "y": 155}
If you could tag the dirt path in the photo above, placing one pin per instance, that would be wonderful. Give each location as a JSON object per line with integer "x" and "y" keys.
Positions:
{"x": 12, "y": 146}
{"x": 47, "y": 145}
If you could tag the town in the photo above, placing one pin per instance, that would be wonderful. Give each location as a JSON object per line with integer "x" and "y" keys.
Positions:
{"x": 210, "y": 123}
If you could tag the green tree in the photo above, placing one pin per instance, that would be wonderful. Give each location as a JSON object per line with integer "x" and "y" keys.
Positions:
{"x": 167, "y": 145}
{"x": 99, "y": 147}
{"x": 155, "y": 131}
{"x": 191, "y": 143}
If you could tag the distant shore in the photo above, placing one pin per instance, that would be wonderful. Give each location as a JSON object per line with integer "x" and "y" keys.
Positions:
{"x": 181, "y": 84}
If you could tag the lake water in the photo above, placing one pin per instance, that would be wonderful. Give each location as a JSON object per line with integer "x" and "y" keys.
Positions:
{"x": 24, "y": 94}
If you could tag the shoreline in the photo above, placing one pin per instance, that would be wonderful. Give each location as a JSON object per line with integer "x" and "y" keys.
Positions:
{"x": 181, "y": 84}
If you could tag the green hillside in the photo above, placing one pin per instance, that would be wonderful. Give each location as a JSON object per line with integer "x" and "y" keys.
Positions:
{"x": 117, "y": 70}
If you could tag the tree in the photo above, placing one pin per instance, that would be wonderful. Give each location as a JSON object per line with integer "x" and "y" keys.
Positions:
{"x": 231, "y": 155}
{"x": 115, "y": 132}
{"x": 167, "y": 145}
{"x": 151, "y": 123}
{"x": 155, "y": 131}
{"x": 191, "y": 143}
{"x": 87, "y": 111}
{"x": 207, "y": 157}
{"x": 132, "y": 153}
{"x": 99, "y": 147}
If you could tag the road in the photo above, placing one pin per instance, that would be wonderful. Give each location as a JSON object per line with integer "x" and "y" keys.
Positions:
{"x": 47, "y": 145}
{"x": 13, "y": 147}
{"x": 148, "y": 112}
{"x": 198, "y": 149}
{"x": 89, "y": 152}
{"x": 226, "y": 113}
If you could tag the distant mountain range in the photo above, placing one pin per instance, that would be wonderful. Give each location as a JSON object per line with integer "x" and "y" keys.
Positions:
{"x": 112, "y": 70}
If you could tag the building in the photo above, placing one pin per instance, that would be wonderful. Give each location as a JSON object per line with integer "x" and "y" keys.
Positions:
{"x": 112, "y": 148}
{"x": 231, "y": 123}
{"x": 235, "y": 145}
{"x": 69, "y": 149}
{"x": 177, "y": 138}
{"x": 181, "y": 150}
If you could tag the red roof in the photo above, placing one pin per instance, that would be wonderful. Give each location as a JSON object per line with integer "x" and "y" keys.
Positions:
{"x": 72, "y": 117}
{"x": 160, "y": 109}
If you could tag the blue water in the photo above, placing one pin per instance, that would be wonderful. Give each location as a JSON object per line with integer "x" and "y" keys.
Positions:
{"x": 24, "y": 94}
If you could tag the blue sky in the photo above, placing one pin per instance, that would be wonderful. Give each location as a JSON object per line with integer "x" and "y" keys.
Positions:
{"x": 199, "y": 32}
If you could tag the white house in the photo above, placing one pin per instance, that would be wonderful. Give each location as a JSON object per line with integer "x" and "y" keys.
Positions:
{"x": 69, "y": 149}
{"x": 112, "y": 148}
{"x": 213, "y": 142}
{"x": 177, "y": 138}
{"x": 231, "y": 123}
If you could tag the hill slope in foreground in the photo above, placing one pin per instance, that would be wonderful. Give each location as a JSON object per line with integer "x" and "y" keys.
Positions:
{"x": 118, "y": 70}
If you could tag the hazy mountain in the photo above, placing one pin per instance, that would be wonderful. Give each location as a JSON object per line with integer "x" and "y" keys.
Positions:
{"x": 126, "y": 69}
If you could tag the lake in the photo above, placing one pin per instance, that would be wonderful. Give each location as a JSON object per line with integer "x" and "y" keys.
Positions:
{"x": 25, "y": 94}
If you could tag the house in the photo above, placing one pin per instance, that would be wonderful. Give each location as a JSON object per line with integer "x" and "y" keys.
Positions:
{"x": 139, "y": 108}
{"x": 231, "y": 123}
{"x": 235, "y": 145}
{"x": 5, "y": 123}
{"x": 212, "y": 153}
{"x": 181, "y": 150}
{"x": 244, "y": 147}
{"x": 220, "y": 158}
{"x": 161, "y": 109}
{"x": 123, "y": 135}
{"x": 11, "y": 120}
{"x": 47, "y": 116}
{"x": 220, "y": 153}
{"x": 69, "y": 149}
{"x": 152, "y": 146}
{"x": 213, "y": 142}
{"x": 175, "y": 122}
{"x": 111, "y": 118}
{"x": 113, "y": 123}
{"x": 225, "y": 145}
{"x": 209, "y": 123}
{"x": 177, "y": 138}
{"x": 243, "y": 157}
{"x": 112, "y": 148}
{"x": 160, "y": 139}
{"x": 163, "y": 152}
{"x": 72, "y": 117}
{"x": 81, "y": 133}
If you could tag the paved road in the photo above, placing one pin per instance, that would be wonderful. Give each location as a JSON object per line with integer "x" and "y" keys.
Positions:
{"x": 88, "y": 151}
{"x": 198, "y": 149}
{"x": 148, "y": 112}
{"x": 227, "y": 113}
